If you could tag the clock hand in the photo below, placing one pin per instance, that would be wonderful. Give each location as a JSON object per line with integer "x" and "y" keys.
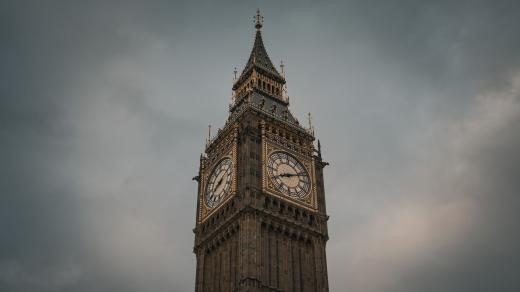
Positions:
{"x": 293, "y": 174}
{"x": 286, "y": 174}
{"x": 280, "y": 175}
{"x": 219, "y": 182}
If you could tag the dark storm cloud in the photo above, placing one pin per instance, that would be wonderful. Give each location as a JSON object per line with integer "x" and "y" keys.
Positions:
{"x": 103, "y": 112}
{"x": 52, "y": 53}
{"x": 445, "y": 39}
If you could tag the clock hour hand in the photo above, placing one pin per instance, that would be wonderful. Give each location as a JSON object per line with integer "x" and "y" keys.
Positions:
{"x": 219, "y": 182}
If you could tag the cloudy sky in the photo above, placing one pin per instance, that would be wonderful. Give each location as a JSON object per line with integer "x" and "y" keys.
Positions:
{"x": 104, "y": 108}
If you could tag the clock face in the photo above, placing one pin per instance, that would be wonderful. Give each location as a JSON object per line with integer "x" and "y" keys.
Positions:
{"x": 219, "y": 183}
{"x": 288, "y": 175}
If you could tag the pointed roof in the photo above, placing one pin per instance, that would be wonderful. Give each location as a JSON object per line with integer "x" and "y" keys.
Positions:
{"x": 259, "y": 59}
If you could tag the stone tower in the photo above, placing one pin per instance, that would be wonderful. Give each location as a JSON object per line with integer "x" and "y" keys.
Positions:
{"x": 261, "y": 219}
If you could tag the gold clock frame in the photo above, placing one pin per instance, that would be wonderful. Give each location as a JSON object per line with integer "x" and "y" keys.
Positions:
{"x": 204, "y": 211}
{"x": 310, "y": 201}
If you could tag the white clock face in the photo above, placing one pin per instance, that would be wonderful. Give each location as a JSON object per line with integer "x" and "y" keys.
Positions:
{"x": 219, "y": 183}
{"x": 288, "y": 175}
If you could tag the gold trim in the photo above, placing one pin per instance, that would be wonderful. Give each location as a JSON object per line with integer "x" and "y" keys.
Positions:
{"x": 310, "y": 201}
{"x": 204, "y": 211}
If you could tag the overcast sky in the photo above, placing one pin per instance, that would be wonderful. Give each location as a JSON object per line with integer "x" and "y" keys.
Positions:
{"x": 105, "y": 104}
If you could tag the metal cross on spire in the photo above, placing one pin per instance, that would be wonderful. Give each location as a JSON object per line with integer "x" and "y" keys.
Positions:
{"x": 259, "y": 20}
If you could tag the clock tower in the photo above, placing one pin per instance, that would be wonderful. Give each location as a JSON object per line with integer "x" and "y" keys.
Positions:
{"x": 261, "y": 218}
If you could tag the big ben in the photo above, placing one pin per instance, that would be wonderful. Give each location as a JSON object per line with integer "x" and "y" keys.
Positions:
{"x": 261, "y": 222}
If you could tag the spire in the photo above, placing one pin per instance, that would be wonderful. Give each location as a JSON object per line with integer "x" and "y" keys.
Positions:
{"x": 311, "y": 128}
{"x": 258, "y": 58}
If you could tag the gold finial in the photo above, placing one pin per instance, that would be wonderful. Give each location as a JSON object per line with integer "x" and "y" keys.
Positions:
{"x": 259, "y": 19}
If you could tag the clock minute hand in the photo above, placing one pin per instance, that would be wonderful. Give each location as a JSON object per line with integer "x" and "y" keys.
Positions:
{"x": 288, "y": 174}
{"x": 279, "y": 175}
{"x": 293, "y": 174}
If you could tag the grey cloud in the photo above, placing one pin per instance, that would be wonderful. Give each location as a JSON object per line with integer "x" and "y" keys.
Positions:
{"x": 104, "y": 108}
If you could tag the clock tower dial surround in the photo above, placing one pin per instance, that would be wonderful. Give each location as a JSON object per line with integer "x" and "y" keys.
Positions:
{"x": 219, "y": 162}
{"x": 289, "y": 175}
{"x": 219, "y": 183}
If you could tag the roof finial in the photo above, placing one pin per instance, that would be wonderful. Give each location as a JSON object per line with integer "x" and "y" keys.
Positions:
{"x": 259, "y": 19}
{"x": 209, "y": 135}
{"x": 311, "y": 128}
{"x": 235, "y": 73}
{"x": 282, "y": 66}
